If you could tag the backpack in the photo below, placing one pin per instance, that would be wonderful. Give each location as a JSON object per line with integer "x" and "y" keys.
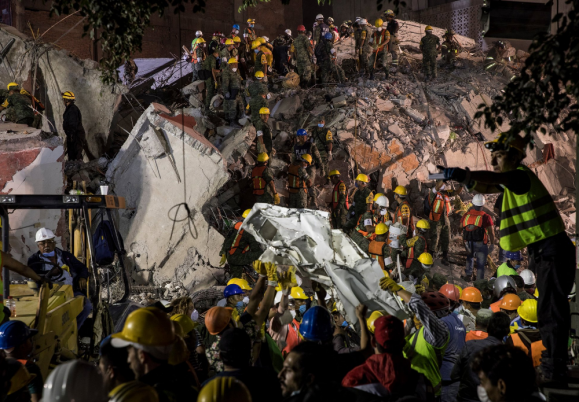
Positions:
{"x": 104, "y": 243}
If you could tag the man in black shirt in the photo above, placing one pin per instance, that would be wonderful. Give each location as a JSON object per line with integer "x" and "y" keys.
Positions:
{"x": 72, "y": 126}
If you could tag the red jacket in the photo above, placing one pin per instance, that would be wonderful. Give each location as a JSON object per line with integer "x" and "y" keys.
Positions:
{"x": 392, "y": 371}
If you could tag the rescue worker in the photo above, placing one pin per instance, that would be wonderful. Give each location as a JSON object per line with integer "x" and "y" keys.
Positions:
{"x": 345, "y": 30}
{"x": 263, "y": 133}
{"x": 240, "y": 55}
{"x": 260, "y": 59}
{"x": 249, "y": 34}
{"x": 380, "y": 250}
{"x": 211, "y": 64}
{"x": 225, "y": 53}
{"x": 529, "y": 285}
{"x": 304, "y": 51}
{"x": 72, "y": 126}
{"x": 403, "y": 213}
{"x": 363, "y": 233}
{"x": 439, "y": 208}
{"x": 510, "y": 266}
{"x": 483, "y": 317}
{"x": 299, "y": 181}
{"x": 502, "y": 286}
{"x": 478, "y": 236}
{"x": 257, "y": 87}
{"x": 393, "y": 45}
{"x": 281, "y": 47}
{"x": 234, "y": 295}
{"x": 319, "y": 29}
{"x": 195, "y": 42}
{"x": 429, "y": 46}
{"x": 376, "y": 213}
{"x": 257, "y": 103}
{"x": 363, "y": 48}
{"x": 415, "y": 247}
{"x": 449, "y": 48}
{"x": 198, "y": 55}
{"x": 326, "y": 58}
{"x": 340, "y": 203}
{"x": 232, "y": 89}
{"x": 215, "y": 43}
{"x": 358, "y": 207}
{"x": 509, "y": 305}
{"x": 323, "y": 139}
{"x": 379, "y": 42}
{"x": 470, "y": 302}
{"x": 234, "y": 31}
{"x": 299, "y": 297}
{"x": 263, "y": 183}
{"x": 130, "y": 71}
{"x": 305, "y": 146}
{"x": 527, "y": 336}
{"x": 18, "y": 106}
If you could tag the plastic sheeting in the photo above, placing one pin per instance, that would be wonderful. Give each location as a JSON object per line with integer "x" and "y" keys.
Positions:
{"x": 304, "y": 238}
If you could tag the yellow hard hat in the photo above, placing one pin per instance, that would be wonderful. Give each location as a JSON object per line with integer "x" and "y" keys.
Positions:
{"x": 264, "y": 110}
{"x": 298, "y": 293}
{"x": 251, "y": 21}
{"x": 307, "y": 158}
{"x": 381, "y": 228}
{"x": 334, "y": 172}
{"x": 12, "y": 84}
{"x": 255, "y": 44}
{"x": 262, "y": 157}
{"x": 200, "y": 40}
{"x": 186, "y": 323}
{"x": 426, "y": 259}
{"x": 370, "y": 198}
{"x": 261, "y": 40}
{"x": 259, "y": 74}
{"x": 528, "y": 310}
{"x": 373, "y": 317}
{"x": 502, "y": 143}
{"x": 232, "y": 60}
{"x": 68, "y": 95}
{"x": 133, "y": 391}
{"x": 459, "y": 290}
{"x": 423, "y": 224}
{"x": 224, "y": 389}
{"x": 428, "y": 28}
{"x": 401, "y": 190}
{"x": 229, "y": 42}
{"x": 363, "y": 178}
{"x": 378, "y": 195}
{"x": 236, "y": 39}
{"x": 147, "y": 326}
{"x": 242, "y": 283}
{"x": 378, "y": 23}
{"x": 245, "y": 213}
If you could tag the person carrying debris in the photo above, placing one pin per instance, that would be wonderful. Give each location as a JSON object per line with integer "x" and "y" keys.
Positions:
{"x": 340, "y": 204}
{"x": 211, "y": 67}
{"x": 415, "y": 247}
{"x": 305, "y": 146}
{"x": 239, "y": 249}
{"x": 363, "y": 233}
{"x": 393, "y": 27}
{"x": 263, "y": 133}
{"x": 72, "y": 126}
{"x": 429, "y": 46}
{"x": 530, "y": 218}
{"x": 263, "y": 183}
{"x": 326, "y": 57}
{"x": 303, "y": 51}
{"x": 358, "y": 207}
{"x": 449, "y": 48}
{"x": 198, "y": 55}
{"x": 232, "y": 90}
{"x": 299, "y": 181}
{"x": 379, "y": 248}
{"x": 403, "y": 213}
{"x": 478, "y": 236}
{"x": 379, "y": 42}
{"x": 324, "y": 142}
{"x": 18, "y": 106}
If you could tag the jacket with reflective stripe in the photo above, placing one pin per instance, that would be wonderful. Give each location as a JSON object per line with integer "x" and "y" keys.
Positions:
{"x": 336, "y": 196}
{"x": 375, "y": 249}
{"x": 437, "y": 207}
{"x": 411, "y": 256}
{"x": 258, "y": 182}
{"x": 474, "y": 218}
{"x": 530, "y": 217}
{"x": 295, "y": 181}
{"x": 236, "y": 242}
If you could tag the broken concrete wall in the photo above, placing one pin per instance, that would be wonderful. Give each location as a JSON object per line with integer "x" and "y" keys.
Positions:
{"x": 151, "y": 171}
{"x": 31, "y": 164}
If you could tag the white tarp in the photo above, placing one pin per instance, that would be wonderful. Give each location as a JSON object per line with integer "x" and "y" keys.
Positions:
{"x": 305, "y": 239}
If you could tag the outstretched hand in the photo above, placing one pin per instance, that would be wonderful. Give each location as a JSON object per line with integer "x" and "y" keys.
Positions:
{"x": 389, "y": 284}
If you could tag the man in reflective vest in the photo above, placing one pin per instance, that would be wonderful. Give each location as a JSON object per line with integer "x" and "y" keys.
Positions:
{"x": 527, "y": 336}
{"x": 262, "y": 180}
{"x": 478, "y": 236}
{"x": 302, "y": 147}
{"x": 298, "y": 182}
{"x": 376, "y": 213}
{"x": 529, "y": 218}
{"x": 510, "y": 266}
{"x": 438, "y": 206}
{"x": 340, "y": 202}
{"x": 379, "y": 249}
{"x": 403, "y": 213}
{"x": 414, "y": 247}
{"x": 363, "y": 233}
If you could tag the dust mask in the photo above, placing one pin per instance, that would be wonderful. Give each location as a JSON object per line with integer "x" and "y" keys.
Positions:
{"x": 256, "y": 51}
{"x": 234, "y": 69}
{"x": 320, "y": 125}
{"x": 51, "y": 254}
{"x": 379, "y": 29}
{"x": 482, "y": 394}
{"x": 382, "y": 212}
{"x": 195, "y": 315}
{"x": 293, "y": 313}
{"x": 246, "y": 300}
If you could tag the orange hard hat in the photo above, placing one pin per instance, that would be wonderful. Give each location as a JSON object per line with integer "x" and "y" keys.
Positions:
{"x": 451, "y": 292}
{"x": 471, "y": 294}
{"x": 510, "y": 302}
{"x": 217, "y": 319}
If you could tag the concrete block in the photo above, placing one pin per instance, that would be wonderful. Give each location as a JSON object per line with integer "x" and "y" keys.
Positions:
{"x": 350, "y": 124}
{"x": 402, "y": 101}
{"x": 151, "y": 144}
{"x": 196, "y": 87}
{"x": 286, "y": 107}
{"x": 414, "y": 114}
{"x": 339, "y": 101}
{"x": 195, "y": 101}
{"x": 384, "y": 105}
{"x": 443, "y": 133}
{"x": 237, "y": 143}
{"x": 320, "y": 109}
{"x": 344, "y": 135}
{"x": 396, "y": 130}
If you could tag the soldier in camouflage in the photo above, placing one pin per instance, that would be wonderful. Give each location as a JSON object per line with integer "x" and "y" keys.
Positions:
{"x": 257, "y": 87}
{"x": 324, "y": 142}
{"x": 263, "y": 183}
{"x": 363, "y": 46}
{"x": 225, "y": 53}
{"x": 379, "y": 42}
{"x": 263, "y": 133}
{"x": 358, "y": 207}
{"x": 305, "y": 146}
{"x": 256, "y": 103}
{"x": 210, "y": 64}
{"x": 327, "y": 60}
{"x": 18, "y": 106}
{"x": 340, "y": 203}
{"x": 303, "y": 51}
{"x": 240, "y": 249}
{"x": 429, "y": 45}
{"x": 320, "y": 28}
{"x": 414, "y": 247}
{"x": 232, "y": 89}
{"x": 298, "y": 182}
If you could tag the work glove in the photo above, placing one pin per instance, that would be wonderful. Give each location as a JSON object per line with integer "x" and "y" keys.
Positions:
{"x": 287, "y": 279}
{"x": 215, "y": 84}
{"x": 389, "y": 284}
{"x": 276, "y": 199}
{"x": 259, "y": 268}
{"x": 419, "y": 289}
{"x": 456, "y": 174}
{"x": 223, "y": 260}
{"x": 269, "y": 69}
{"x": 271, "y": 270}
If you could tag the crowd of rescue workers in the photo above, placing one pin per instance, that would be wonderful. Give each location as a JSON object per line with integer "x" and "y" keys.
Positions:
{"x": 268, "y": 339}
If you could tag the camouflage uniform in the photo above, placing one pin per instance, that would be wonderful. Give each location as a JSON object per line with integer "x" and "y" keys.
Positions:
{"x": 449, "y": 50}
{"x": 224, "y": 56}
{"x": 263, "y": 130}
{"x": 429, "y": 44}
{"x": 19, "y": 110}
{"x": 255, "y": 104}
{"x": 256, "y": 88}
{"x": 339, "y": 210}
{"x": 322, "y": 137}
{"x": 261, "y": 62}
{"x": 419, "y": 245}
{"x": 380, "y": 40}
{"x": 319, "y": 31}
{"x": 360, "y": 240}
{"x": 303, "y": 54}
{"x": 231, "y": 84}
{"x": 239, "y": 259}
{"x": 328, "y": 65}
{"x": 210, "y": 64}
{"x": 267, "y": 196}
{"x": 365, "y": 47}
{"x": 439, "y": 234}
{"x": 310, "y": 148}
{"x": 358, "y": 207}
{"x": 300, "y": 198}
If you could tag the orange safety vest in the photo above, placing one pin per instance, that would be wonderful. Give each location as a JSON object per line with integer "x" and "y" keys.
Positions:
{"x": 367, "y": 235}
{"x": 473, "y": 335}
{"x": 474, "y": 218}
{"x": 410, "y": 258}
{"x": 404, "y": 218}
{"x": 495, "y": 307}
{"x": 375, "y": 249}
{"x": 292, "y": 339}
{"x": 336, "y": 196}
{"x": 295, "y": 181}
{"x": 258, "y": 181}
{"x": 237, "y": 240}
{"x": 437, "y": 207}
{"x": 536, "y": 348}
{"x": 379, "y": 37}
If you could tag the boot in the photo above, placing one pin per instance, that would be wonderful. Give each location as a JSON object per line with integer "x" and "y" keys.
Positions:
{"x": 467, "y": 278}
{"x": 445, "y": 258}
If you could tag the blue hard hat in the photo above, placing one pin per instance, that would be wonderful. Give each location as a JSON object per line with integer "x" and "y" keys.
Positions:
{"x": 328, "y": 36}
{"x": 513, "y": 255}
{"x": 302, "y": 132}
{"x": 236, "y": 26}
{"x": 232, "y": 290}
{"x": 14, "y": 333}
{"x": 317, "y": 325}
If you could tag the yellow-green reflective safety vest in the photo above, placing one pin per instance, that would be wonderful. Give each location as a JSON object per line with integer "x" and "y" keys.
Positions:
{"x": 529, "y": 217}
{"x": 425, "y": 358}
{"x": 504, "y": 269}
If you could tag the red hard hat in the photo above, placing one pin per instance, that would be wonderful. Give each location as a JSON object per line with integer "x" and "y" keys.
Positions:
{"x": 435, "y": 300}
{"x": 301, "y": 28}
{"x": 451, "y": 292}
{"x": 389, "y": 332}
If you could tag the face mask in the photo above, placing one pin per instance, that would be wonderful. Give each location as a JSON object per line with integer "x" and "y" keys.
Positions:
{"x": 379, "y": 29}
{"x": 51, "y": 254}
{"x": 246, "y": 300}
{"x": 482, "y": 394}
{"x": 195, "y": 315}
{"x": 234, "y": 69}
{"x": 517, "y": 266}
{"x": 356, "y": 184}
{"x": 240, "y": 304}
{"x": 382, "y": 212}
{"x": 235, "y": 31}
{"x": 251, "y": 25}
{"x": 256, "y": 51}
{"x": 293, "y": 313}
{"x": 320, "y": 125}
{"x": 345, "y": 323}
{"x": 303, "y": 309}
{"x": 427, "y": 267}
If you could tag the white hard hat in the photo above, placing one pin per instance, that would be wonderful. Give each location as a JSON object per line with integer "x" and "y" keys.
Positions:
{"x": 363, "y": 21}
{"x": 528, "y": 277}
{"x": 76, "y": 380}
{"x": 319, "y": 17}
{"x": 382, "y": 201}
{"x": 357, "y": 19}
{"x": 478, "y": 200}
{"x": 44, "y": 234}
{"x": 265, "y": 38}
{"x": 289, "y": 32}
{"x": 198, "y": 33}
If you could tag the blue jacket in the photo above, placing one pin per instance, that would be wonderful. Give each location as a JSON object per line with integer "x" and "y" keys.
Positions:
{"x": 77, "y": 269}
{"x": 455, "y": 345}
